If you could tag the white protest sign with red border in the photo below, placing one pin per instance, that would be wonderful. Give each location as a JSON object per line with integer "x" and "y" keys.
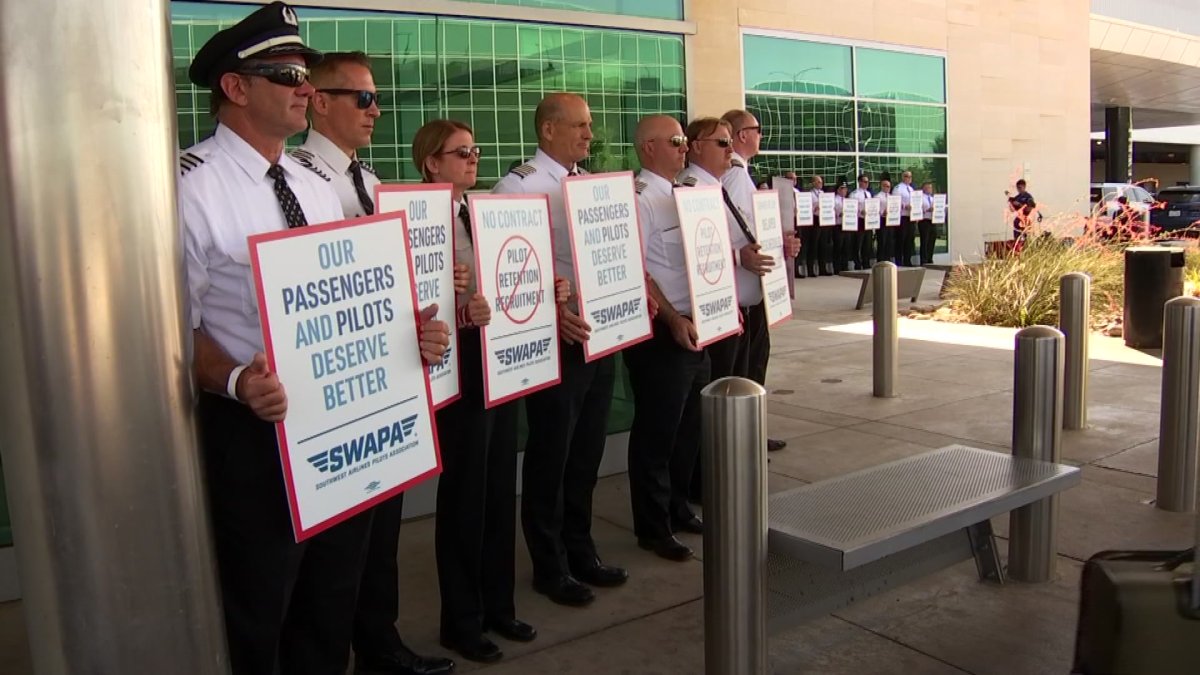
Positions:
{"x": 768, "y": 227}
{"x": 514, "y": 264}
{"x": 340, "y": 325}
{"x": 610, "y": 275}
{"x": 429, "y": 210}
{"x": 709, "y": 256}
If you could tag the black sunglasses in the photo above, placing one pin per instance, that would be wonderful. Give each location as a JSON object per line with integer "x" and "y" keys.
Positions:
{"x": 365, "y": 98}
{"x": 283, "y": 74}
{"x": 464, "y": 152}
{"x": 721, "y": 142}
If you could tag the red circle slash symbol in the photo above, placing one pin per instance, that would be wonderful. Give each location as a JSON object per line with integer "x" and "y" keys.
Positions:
{"x": 523, "y": 254}
{"x": 708, "y": 239}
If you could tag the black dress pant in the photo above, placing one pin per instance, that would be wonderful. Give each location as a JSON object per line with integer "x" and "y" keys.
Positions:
{"x": 886, "y": 243}
{"x": 907, "y": 246}
{"x": 475, "y": 535}
{"x": 825, "y": 248}
{"x": 664, "y": 442}
{"x": 851, "y": 242}
{"x": 289, "y": 607}
{"x": 568, "y": 425}
{"x": 928, "y": 234}
{"x": 755, "y": 343}
{"x": 808, "y": 249}
{"x": 866, "y": 246}
{"x": 379, "y": 591}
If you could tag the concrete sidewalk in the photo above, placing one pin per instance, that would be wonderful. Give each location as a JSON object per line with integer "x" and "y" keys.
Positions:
{"x": 955, "y": 387}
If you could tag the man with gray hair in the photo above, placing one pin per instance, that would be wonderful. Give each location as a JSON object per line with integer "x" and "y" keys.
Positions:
{"x": 568, "y": 424}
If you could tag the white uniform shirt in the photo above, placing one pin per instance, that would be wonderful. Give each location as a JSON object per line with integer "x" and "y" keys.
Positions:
{"x": 543, "y": 175}
{"x": 662, "y": 240}
{"x": 861, "y": 196}
{"x": 464, "y": 251}
{"x": 927, "y": 203}
{"x": 749, "y": 288}
{"x": 740, "y": 186}
{"x": 883, "y": 200}
{"x": 906, "y": 192}
{"x": 225, "y": 196}
{"x": 319, "y": 151}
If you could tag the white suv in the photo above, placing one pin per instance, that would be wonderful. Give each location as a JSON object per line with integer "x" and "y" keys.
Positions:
{"x": 1138, "y": 198}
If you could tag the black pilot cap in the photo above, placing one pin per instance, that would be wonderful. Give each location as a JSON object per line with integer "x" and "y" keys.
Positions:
{"x": 272, "y": 30}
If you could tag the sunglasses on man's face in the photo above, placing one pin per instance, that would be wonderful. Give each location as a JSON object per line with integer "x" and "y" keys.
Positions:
{"x": 721, "y": 142}
{"x": 464, "y": 152}
{"x": 364, "y": 100}
{"x": 677, "y": 141}
{"x": 283, "y": 74}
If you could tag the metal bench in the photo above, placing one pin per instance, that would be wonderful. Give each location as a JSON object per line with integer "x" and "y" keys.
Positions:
{"x": 839, "y": 540}
{"x": 908, "y": 283}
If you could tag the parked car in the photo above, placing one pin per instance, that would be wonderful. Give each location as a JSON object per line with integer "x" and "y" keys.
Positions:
{"x": 1137, "y": 197}
{"x": 1179, "y": 209}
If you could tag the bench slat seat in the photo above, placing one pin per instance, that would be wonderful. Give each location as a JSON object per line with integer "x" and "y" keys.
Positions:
{"x": 851, "y": 520}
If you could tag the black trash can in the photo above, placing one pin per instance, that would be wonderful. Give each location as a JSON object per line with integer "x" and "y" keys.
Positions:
{"x": 1153, "y": 275}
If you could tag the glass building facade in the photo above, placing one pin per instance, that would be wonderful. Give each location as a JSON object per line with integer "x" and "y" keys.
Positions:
{"x": 839, "y": 110}
{"x": 487, "y": 73}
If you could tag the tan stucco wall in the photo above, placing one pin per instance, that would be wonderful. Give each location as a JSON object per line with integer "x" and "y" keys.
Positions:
{"x": 1017, "y": 87}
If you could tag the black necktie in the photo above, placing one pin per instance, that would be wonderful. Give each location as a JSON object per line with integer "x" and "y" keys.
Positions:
{"x": 465, "y": 215}
{"x": 737, "y": 215}
{"x": 572, "y": 172}
{"x": 287, "y": 199}
{"x": 361, "y": 188}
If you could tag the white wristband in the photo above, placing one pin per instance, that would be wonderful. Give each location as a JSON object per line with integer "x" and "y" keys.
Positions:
{"x": 231, "y": 385}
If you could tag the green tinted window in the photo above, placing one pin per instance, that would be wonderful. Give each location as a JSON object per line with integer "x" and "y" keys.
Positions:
{"x": 797, "y": 67}
{"x": 804, "y": 124}
{"x": 899, "y": 76}
{"x": 489, "y": 74}
{"x": 923, "y": 169}
{"x": 832, "y": 168}
{"x": 654, "y": 9}
{"x": 889, "y": 127}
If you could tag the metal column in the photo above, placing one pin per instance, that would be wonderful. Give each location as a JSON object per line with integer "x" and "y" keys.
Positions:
{"x": 1037, "y": 434}
{"x": 885, "y": 344}
{"x": 735, "y": 526}
{"x": 1179, "y": 419}
{"x": 96, "y": 421}
{"x": 1074, "y": 310}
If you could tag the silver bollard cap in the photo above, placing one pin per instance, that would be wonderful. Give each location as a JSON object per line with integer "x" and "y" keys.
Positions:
{"x": 1039, "y": 333}
{"x": 733, "y": 387}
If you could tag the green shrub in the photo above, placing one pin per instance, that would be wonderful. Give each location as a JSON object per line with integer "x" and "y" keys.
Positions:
{"x": 1019, "y": 287}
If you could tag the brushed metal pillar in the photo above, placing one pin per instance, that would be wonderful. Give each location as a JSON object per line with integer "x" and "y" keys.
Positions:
{"x": 734, "y": 443}
{"x": 100, "y": 453}
{"x": 1037, "y": 434}
{"x": 885, "y": 343}
{"x": 1074, "y": 310}
{"x": 1179, "y": 417}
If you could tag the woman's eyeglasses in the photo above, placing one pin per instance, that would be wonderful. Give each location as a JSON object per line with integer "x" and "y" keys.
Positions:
{"x": 283, "y": 74}
{"x": 464, "y": 152}
{"x": 364, "y": 100}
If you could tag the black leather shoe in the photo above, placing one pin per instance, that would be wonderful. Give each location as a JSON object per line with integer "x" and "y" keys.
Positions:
{"x": 691, "y": 525}
{"x": 669, "y": 548}
{"x": 775, "y": 444}
{"x": 565, "y": 590}
{"x": 599, "y": 574}
{"x": 401, "y": 661}
{"x": 511, "y": 629}
{"x": 476, "y": 648}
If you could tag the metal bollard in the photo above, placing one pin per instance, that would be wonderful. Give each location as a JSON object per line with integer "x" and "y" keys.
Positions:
{"x": 1074, "y": 309}
{"x": 1179, "y": 420}
{"x": 734, "y": 443}
{"x": 885, "y": 353}
{"x": 1037, "y": 434}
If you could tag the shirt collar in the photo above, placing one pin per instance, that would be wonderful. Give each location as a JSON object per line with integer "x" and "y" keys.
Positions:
{"x": 254, "y": 164}
{"x": 652, "y": 179}
{"x": 324, "y": 148}
{"x": 702, "y": 175}
{"x": 547, "y": 163}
